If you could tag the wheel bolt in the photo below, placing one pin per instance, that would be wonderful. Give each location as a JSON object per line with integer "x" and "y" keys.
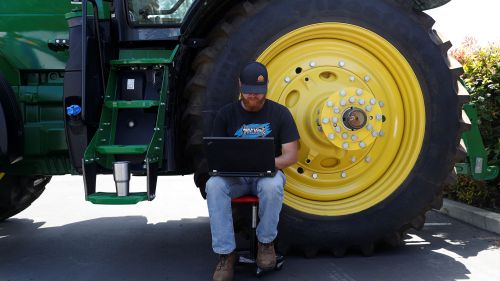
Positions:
{"x": 343, "y": 102}
{"x": 361, "y": 101}
{"x": 367, "y": 78}
{"x": 343, "y": 174}
{"x": 362, "y": 144}
{"x": 369, "y": 127}
{"x": 314, "y": 176}
{"x": 352, "y": 99}
{"x": 378, "y": 117}
{"x": 329, "y": 103}
{"x": 368, "y": 108}
{"x": 342, "y": 93}
{"x": 381, "y": 133}
{"x": 312, "y": 64}
{"x": 373, "y": 101}
{"x": 359, "y": 92}
{"x": 345, "y": 136}
{"x": 345, "y": 145}
{"x": 337, "y": 129}
{"x": 325, "y": 120}
{"x": 336, "y": 110}
{"x": 368, "y": 159}
{"x": 381, "y": 103}
{"x": 288, "y": 79}
{"x": 354, "y": 138}
{"x": 331, "y": 136}
{"x": 374, "y": 134}
{"x": 342, "y": 63}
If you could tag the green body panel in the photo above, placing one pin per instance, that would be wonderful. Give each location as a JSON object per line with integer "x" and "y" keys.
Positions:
{"x": 132, "y": 104}
{"x": 477, "y": 158}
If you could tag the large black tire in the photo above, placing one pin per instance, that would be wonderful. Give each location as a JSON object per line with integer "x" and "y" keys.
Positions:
{"x": 18, "y": 192}
{"x": 252, "y": 26}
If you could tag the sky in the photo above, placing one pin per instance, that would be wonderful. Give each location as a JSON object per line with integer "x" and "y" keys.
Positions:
{"x": 477, "y": 18}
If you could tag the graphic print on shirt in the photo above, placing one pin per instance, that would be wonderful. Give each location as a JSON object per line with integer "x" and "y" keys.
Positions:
{"x": 254, "y": 131}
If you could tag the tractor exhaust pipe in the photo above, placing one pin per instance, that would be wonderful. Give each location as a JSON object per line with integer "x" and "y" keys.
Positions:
{"x": 121, "y": 175}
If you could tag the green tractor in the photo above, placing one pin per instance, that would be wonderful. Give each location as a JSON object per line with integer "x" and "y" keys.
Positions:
{"x": 91, "y": 83}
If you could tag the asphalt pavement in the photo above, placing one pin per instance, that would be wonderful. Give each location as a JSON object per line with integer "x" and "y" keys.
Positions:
{"x": 62, "y": 237}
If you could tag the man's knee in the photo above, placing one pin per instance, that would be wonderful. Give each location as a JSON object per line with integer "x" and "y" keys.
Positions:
{"x": 215, "y": 185}
{"x": 270, "y": 188}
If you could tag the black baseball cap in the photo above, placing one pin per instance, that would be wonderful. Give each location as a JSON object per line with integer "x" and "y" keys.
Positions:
{"x": 254, "y": 79}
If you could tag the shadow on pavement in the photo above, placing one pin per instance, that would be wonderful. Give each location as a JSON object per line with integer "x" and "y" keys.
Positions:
{"x": 128, "y": 248}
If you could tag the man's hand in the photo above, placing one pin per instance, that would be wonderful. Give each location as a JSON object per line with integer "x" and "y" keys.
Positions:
{"x": 288, "y": 156}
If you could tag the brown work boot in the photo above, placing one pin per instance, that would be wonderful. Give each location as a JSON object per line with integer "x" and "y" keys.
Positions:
{"x": 225, "y": 267}
{"x": 266, "y": 256}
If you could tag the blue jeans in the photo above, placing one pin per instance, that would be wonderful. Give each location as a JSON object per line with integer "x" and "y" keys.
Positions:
{"x": 220, "y": 191}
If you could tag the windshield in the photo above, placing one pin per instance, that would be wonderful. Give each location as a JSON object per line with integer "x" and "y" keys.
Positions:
{"x": 148, "y": 12}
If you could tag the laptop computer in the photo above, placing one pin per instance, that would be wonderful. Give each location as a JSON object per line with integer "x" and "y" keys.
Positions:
{"x": 240, "y": 157}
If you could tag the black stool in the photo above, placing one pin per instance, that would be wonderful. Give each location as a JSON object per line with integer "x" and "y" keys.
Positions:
{"x": 249, "y": 257}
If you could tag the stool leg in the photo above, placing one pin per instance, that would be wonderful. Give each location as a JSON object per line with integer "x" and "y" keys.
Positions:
{"x": 254, "y": 230}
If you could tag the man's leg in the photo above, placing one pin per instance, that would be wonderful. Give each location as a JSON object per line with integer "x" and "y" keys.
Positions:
{"x": 270, "y": 193}
{"x": 220, "y": 190}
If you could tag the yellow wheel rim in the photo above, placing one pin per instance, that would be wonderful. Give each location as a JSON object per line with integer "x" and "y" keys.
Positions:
{"x": 2, "y": 175}
{"x": 360, "y": 112}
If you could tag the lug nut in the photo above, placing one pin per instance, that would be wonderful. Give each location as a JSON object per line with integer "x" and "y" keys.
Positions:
{"x": 342, "y": 93}
{"x": 368, "y": 108}
{"x": 342, "y": 63}
{"x": 337, "y": 129}
{"x": 362, "y": 144}
{"x": 368, "y": 159}
{"x": 359, "y": 92}
{"x": 352, "y": 99}
{"x": 374, "y": 134}
{"x": 336, "y": 110}
{"x": 361, "y": 101}
{"x": 369, "y": 127}
{"x": 331, "y": 136}
{"x": 335, "y": 120}
{"x": 288, "y": 79}
{"x": 314, "y": 176}
{"x": 345, "y": 136}
{"x": 343, "y": 174}
{"x": 329, "y": 103}
{"x": 352, "y": 79}
{"x": 381, "y": 133}
{"x": 312, "y": 64}
{"x": 325, "y": 120}
{"x": 353, "y": 159}
{"x": 345, "y": 145}
{"x": 343, "y": 102}
{"x": 381, "y": 103}
{"x": 354, "y": 138}
{"x": 379, "y": 117}
{"x": 367, "y": 78}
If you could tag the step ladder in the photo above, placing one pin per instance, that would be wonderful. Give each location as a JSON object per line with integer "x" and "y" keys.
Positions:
{"x": 104, "y": 147}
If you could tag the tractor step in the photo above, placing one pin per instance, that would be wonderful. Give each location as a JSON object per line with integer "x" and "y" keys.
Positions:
{"x": 123, "y": 104}
{"x": 104, "y": 198}
{"x": 121, "y": 149}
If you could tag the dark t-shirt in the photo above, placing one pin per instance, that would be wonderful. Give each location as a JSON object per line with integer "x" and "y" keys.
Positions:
{"x": 273, "y": 120}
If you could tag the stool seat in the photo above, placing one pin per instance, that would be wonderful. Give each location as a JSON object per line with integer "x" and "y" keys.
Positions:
{"x": 246, "y": 199}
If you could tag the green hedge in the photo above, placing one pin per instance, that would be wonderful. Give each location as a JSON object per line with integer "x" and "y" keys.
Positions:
{"x": 482, "y": 77}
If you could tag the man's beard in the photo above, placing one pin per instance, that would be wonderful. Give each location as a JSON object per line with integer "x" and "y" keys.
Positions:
{"x": 253, "y": 103}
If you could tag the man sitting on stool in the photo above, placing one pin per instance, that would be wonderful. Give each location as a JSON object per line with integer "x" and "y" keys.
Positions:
{"x": 251, "y": 117}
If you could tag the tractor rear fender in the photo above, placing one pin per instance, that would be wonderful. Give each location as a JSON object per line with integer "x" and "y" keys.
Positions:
{"x": 11, "y": 125}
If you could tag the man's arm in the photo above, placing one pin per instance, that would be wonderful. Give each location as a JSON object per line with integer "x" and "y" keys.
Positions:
{"x": 288, "y": 157}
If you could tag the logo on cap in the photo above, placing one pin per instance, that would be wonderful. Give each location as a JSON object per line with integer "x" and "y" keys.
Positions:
{"x": 261, "y": 79}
